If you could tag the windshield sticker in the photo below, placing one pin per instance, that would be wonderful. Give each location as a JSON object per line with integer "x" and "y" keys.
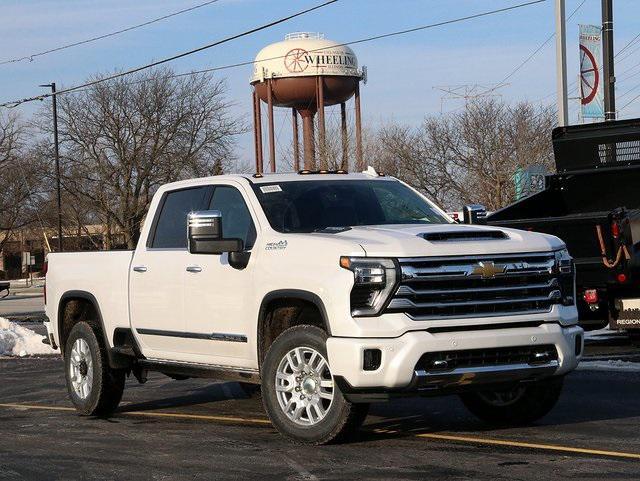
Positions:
{"x": 269, "y": 189}
{"x": 276, "y": 246}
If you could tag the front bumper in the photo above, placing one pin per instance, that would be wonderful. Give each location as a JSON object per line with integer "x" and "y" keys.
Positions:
{"x": 399, "y": 371}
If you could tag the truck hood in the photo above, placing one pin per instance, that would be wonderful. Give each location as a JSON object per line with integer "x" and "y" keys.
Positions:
{"x": 445, "y": 240}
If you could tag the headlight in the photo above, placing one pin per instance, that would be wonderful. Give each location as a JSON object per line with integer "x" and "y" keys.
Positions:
{"x": 373, "y": 282}
{"x": 565, "y": 270}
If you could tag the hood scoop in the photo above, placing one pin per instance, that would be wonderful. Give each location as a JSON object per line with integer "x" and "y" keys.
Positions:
{"x": 464, "y": 235}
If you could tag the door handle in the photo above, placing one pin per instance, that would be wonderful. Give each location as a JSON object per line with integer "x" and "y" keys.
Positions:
{"x": 194, "y": 269}
{"x": 140, "y": 268}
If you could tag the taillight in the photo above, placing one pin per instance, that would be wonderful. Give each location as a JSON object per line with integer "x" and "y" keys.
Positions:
{"x": 591, "y": 296}
{"x": 615, "y": 230}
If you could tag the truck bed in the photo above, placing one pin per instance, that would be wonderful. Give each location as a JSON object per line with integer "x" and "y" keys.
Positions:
{"x": 103, "y": 275}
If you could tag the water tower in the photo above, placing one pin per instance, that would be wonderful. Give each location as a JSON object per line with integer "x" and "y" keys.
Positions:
{"x": 306, "y": 73}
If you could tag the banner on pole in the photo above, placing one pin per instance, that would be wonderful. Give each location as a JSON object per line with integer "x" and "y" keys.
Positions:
{"x": 591, "y": 94}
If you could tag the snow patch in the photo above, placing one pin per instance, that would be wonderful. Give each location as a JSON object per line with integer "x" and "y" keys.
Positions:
{"x": 16, "y": 340}
{"x": 609, "y": 365}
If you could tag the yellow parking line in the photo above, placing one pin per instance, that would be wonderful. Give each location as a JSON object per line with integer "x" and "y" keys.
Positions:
{"x": 197, "y": 416}
{"x": 203, "y": 417}
{"x": 33, "y": 406}
{"x": 518, "y": 444}
{"x": 440, "y": 437}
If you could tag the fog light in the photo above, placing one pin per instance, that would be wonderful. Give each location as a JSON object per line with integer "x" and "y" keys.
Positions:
{"x": 540, "y": 357}
{"x": 372, "y": 359}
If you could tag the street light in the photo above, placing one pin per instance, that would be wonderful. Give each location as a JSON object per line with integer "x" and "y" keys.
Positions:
{"x": 52, "y": 85}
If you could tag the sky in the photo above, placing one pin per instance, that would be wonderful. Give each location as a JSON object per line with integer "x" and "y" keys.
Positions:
{"x": 404, "y": 72}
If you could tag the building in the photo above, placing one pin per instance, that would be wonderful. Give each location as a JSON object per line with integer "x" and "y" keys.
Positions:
{"x": 25, "y": 250}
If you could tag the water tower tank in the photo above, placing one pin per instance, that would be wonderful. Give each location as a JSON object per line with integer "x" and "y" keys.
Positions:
{"x": 306, "y": 73}
{"x": 294, "y": 64}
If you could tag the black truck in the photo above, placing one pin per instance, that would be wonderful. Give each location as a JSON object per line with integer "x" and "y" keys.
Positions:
{"x": 593, "y": 204}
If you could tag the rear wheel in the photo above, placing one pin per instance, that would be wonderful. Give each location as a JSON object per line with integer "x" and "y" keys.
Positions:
{"x": 94, "y": 388}
{"x": 298, "y": 391}
{"x": 517, "y": 405}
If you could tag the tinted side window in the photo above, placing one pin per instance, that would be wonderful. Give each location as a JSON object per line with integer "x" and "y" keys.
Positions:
{"x": 236, "y": 219}
{"x": 171, "y": 229}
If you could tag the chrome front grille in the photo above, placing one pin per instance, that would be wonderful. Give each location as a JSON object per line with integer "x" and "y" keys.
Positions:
{"x": 476, "y": 286}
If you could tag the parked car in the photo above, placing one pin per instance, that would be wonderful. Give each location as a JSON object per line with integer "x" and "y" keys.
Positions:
{"x": 331, "y": 290}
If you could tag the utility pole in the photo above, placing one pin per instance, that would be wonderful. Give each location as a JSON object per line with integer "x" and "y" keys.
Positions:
{"x": 608, "y": 69}
{"x": 561, "y": 65}
{"x": 52, "y": 85}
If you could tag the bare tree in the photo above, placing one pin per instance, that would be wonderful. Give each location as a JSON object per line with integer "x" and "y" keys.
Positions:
{"x": 122, "y": 139}
{"x": 19, "y": 174}
{"x": 470, "y": 156}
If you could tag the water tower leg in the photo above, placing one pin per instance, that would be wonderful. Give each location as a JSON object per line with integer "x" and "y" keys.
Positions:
{"x": 359, "y": 161}
{"x": 308, "y": 139}
{"x": 272, "y": 142}
{"x": 296, "y": 145}
{"x": 322, "y": 133}
{"x": 257, "y": 129}
{"x": 345, "y": 140}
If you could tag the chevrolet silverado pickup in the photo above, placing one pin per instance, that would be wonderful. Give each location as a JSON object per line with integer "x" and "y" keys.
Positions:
{"x": 330, "y": 290}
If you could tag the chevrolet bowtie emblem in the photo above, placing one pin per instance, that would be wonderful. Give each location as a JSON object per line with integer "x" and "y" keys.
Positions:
{"x": 488, "y": 269}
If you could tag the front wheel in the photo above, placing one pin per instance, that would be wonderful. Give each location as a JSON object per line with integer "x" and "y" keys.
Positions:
{"x": 94, "y": 388}
{"x": 518, "y": 405}
{"x": 298, "y": 391}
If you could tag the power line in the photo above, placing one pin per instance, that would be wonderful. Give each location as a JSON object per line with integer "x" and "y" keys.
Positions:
{"x": 174, "y": 57}
{"x": 628, "y": 44}
{"x": 363, "y": 40}
{"x": 107, "y": 35}
{"x": 630, "y": 102}
{"x": 15, "y": 103}
{"x": 533, "y": 54}
{"x": 627, "y": 92}
{"x": 627, "y": 71}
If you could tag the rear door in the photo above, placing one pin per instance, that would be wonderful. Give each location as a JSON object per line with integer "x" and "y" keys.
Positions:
{"x": 158, "y": 268}
{"x": 219, "y": 307}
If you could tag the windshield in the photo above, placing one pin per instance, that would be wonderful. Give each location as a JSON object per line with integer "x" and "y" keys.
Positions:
{"x": 308, "y": 206}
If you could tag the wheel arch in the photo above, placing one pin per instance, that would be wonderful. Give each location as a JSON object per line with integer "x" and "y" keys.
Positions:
{"x": 284, "y": 297}
{"x": 87, "y": 297}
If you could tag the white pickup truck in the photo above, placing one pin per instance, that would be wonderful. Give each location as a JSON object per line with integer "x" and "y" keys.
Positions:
{"x": 330, "y": 289}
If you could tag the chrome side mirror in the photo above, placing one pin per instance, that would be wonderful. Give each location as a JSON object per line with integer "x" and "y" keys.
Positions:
{"x": 474, "y": 214}
{"x": 205, "y": 234}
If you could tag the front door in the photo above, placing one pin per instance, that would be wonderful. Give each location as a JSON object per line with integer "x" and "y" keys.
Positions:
{"x": 157, "y": 276}
{"x": 217, "y": 297}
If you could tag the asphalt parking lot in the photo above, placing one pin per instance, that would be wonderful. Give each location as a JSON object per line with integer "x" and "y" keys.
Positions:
{"x": 204, "y": 429}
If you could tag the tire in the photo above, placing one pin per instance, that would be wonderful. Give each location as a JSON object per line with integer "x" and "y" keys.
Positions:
{"x": 94, "y": 388}
{"x": 311, "y": 418}
{"x": 515, "y": 406}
